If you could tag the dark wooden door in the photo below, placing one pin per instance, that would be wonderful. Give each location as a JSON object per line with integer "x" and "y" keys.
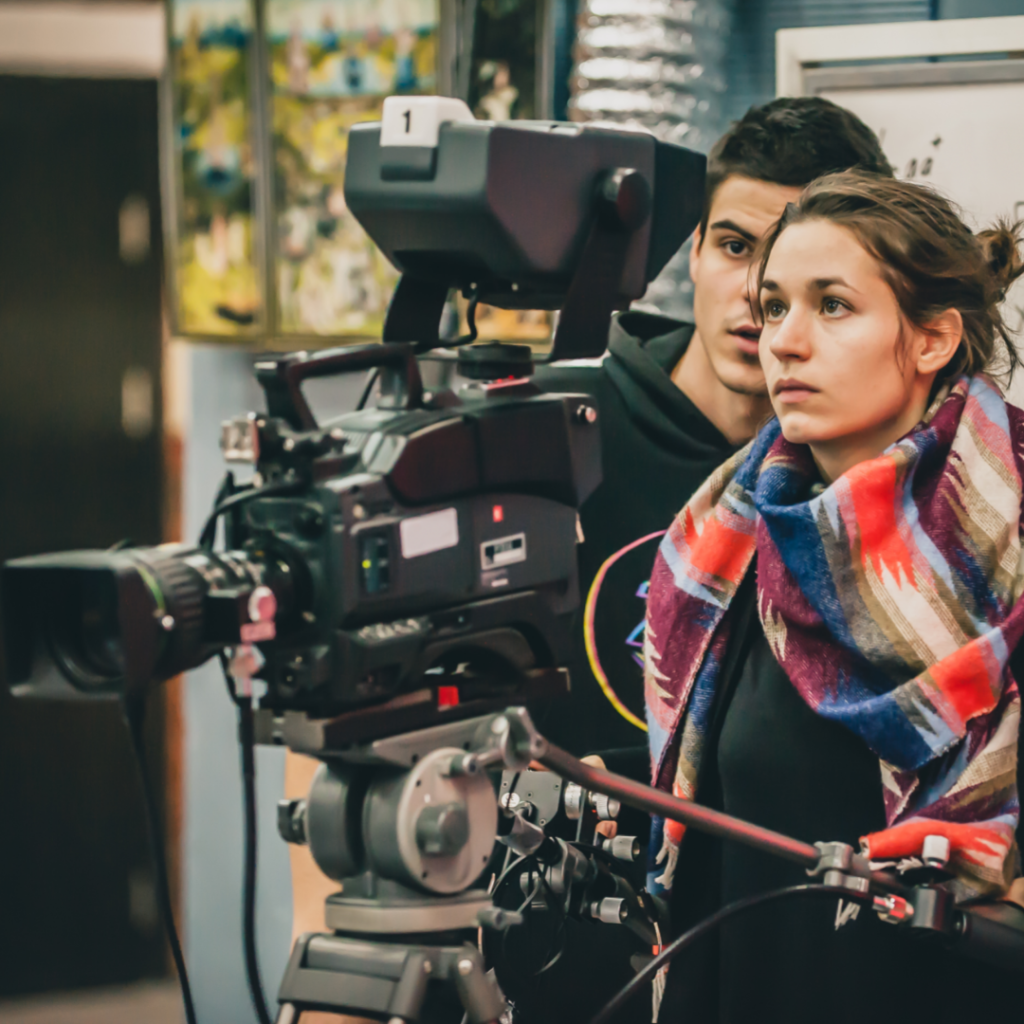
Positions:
{"x": 80, "y": 466}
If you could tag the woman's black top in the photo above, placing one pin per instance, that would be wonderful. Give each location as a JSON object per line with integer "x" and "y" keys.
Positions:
{"x": 771, "y": 760}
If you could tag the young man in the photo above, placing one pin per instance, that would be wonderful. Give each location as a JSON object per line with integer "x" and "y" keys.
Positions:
{"x": 675, "y": 399}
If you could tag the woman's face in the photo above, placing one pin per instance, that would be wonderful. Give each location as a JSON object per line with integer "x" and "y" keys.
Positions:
{"x": 829, "y": 348}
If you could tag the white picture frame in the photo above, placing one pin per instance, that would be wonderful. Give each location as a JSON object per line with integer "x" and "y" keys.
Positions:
{"x": 798, "y": 50}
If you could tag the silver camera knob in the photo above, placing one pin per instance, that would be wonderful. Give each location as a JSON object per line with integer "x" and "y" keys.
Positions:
{"x": 622, "y": 847}
{"x": 610, "y": 910}
{"x": 607, "y": 807}
{"x": 574, "y": 800}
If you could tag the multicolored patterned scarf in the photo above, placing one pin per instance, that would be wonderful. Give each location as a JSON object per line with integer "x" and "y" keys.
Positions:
{"x": 890, "y": 600}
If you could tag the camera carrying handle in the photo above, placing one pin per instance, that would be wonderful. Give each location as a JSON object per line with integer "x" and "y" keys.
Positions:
{"x": 282, "y": 379}
{"x": 414, "y": 314}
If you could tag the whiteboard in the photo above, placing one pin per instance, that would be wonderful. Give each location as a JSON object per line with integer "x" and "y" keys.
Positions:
{"x": 953, "y": 126}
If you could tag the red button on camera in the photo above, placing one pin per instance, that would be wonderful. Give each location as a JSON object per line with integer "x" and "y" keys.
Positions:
{"x": 262, "y": 605}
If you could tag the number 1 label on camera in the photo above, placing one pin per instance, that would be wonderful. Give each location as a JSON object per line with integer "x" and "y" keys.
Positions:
{"x": 416, "y": 120}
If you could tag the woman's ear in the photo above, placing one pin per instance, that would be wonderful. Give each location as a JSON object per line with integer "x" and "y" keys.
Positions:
{"x": 939, "y": 341}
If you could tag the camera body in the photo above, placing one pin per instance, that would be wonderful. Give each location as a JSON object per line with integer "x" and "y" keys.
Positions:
{"x": 429, "y": 539}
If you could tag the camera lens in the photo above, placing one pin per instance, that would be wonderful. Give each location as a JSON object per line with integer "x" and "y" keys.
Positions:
{"x": 116, "y": 620}
{"x": 84, "y": 630}
{"x": 100, "y": 629}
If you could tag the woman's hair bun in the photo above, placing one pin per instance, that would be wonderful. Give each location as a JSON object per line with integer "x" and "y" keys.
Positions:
{"x": 1001, "y": 246}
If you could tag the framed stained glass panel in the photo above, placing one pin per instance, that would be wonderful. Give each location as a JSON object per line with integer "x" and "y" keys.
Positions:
{"x": 331, "y": 63}
{"x": 213, "y": 246}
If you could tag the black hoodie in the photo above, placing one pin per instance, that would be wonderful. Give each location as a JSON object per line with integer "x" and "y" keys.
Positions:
{"x": 658, "y": 447}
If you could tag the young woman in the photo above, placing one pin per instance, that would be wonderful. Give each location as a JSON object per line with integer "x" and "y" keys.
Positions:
{"x": 831, "y": 617}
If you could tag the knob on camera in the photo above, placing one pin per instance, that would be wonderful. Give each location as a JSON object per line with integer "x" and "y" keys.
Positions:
{"x": 622, "y": 847}
{"x": 625, "y": 198}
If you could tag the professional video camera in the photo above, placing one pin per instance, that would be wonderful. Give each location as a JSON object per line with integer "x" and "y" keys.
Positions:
{"x": 398, "y": 575}
{"x": 403, "y": 578}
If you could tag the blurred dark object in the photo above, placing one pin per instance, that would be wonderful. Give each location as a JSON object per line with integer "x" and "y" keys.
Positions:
{"x": 81, "y": 465}
{"x": 522, "y": 57}
{"x": 147, "y": 1002}
{"x": 504, "y": 85}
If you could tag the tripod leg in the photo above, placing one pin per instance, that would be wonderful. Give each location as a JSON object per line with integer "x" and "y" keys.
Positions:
{"x": 479, "y": 995}
{"x": 411, "y": 989}
{"x": 287, "y": 1014}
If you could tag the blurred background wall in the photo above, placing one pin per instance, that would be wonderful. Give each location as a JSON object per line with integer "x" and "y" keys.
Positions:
{"x": 81, "y": 465}
{"x": 109, "y": 430}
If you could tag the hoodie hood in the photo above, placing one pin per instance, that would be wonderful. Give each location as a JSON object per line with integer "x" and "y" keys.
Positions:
{"x": 643, "y": 350}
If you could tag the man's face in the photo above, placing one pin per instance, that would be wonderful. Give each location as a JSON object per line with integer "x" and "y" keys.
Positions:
{"x": 742, "y": 211}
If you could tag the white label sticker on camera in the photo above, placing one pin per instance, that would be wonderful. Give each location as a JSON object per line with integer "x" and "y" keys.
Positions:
{"x": 503, "y": 551}
{"x": 422, "y": 535}
{"x": 416, "y": 120}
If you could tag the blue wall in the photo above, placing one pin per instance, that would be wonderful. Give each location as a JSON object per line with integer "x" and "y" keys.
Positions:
{"x": 222, "y": 386}
{"x": 750, "y": 65}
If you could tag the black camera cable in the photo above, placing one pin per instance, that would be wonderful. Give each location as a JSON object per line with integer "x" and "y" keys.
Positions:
{"x": 471, "y": 322}
{"x": 247, "y": 750}
{"x": 510, "y": 877}
{"x": 709, "y": 924}
{"x": 371, "y": 379}
{"x": 229, "y": 498}
{"x": 236, "y": 498}
{"x": 135, "y": 714}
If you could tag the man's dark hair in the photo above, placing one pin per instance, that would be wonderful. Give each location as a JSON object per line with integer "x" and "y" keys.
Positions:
{"x": 792, "y": 141}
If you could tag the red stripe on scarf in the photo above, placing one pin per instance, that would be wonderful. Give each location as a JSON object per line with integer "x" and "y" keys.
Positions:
{"x": 873, "y": 488}
{"x": 965, "y": 679}
{"x": 721, "y": 551}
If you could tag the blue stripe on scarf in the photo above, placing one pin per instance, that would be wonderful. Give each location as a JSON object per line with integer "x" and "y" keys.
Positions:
{"x": 795, "y": 532}
{"x": 657, "y": 737}
{"x": 654, "y": 869}
{"x": 973, "y": 568}
{"x": 992, "y": 403}
{"x": 881, "y": 723}
{"x": 943, "y": 774}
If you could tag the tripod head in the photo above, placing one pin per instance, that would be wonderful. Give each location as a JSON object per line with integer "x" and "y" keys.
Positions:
{"x": 407, "y": 825}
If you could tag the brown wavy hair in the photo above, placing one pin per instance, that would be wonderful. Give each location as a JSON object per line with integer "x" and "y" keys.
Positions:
{"x": 927, "y": 255}
{"x": 791, "y": 141}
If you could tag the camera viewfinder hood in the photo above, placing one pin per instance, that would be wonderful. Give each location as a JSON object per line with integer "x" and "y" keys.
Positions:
{"x": 523, "y": 215}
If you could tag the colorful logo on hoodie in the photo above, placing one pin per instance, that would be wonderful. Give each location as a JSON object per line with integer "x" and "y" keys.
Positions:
{"x": 634, "y": 640}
